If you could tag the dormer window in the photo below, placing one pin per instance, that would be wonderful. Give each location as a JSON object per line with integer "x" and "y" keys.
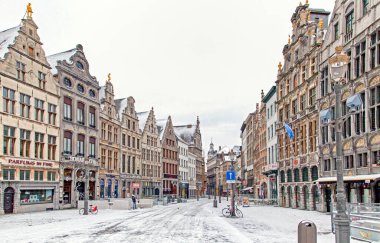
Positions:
{"x": 80, "y": 65}
{"x": 31, "y": 32}
{"x": 365, "y": 6}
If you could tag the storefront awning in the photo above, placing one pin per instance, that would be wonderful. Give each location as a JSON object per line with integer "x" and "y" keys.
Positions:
{"x": 350, "y": 178}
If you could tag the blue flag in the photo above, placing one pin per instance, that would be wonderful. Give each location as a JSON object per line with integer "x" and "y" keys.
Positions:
{"x": 289, "y": 131}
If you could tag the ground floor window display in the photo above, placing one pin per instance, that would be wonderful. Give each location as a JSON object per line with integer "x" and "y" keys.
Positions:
{"x": 36, "y": 196}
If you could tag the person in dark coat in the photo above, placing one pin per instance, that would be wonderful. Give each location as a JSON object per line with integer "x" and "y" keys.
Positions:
{"x": 134, "y": 206}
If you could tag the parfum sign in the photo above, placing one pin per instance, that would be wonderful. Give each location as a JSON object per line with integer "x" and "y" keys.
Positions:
{"x": 30, "y": 163}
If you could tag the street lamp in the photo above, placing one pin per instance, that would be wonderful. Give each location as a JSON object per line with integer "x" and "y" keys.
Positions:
{"x": 219, "y": 185}
{"x": 338, "y": 64}
{"x": 232, "y": 157}
{"x": 215, "y": 202}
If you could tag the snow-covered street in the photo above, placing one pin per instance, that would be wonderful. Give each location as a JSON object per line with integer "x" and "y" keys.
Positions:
{"x": 186, "y": 222}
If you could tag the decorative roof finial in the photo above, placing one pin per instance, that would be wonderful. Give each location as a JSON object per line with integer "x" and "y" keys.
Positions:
{"x": 321, "y": 24}
{"x": 109, "y": 77}
{"x": 29, "y": 10}
{"x": 309, "y": 16}
{"x": 279, "y": 66}
{"x": 289, "y": 41}
{"x": 307, "y": 2}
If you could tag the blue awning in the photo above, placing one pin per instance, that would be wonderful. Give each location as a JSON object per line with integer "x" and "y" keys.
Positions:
{"x": 354, "y": 101}
{"x": 325, "y": 115}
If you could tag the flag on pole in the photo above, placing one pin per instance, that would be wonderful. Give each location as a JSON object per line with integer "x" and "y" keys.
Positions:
{"x": 289, "y": 131}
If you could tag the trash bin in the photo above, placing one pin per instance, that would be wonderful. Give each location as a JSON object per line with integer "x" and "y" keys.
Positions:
{"x": 307, "y": 232}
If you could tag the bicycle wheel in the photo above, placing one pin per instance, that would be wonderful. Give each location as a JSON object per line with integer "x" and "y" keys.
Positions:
{"x": 226, "y": 212}
{"x": 81, "y": 211}
{"x": 239, "y": 213}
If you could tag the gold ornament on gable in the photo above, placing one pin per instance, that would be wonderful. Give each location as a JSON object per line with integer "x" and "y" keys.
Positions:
{"x": 347, "y": 145}
{"x": 360, "y": 143}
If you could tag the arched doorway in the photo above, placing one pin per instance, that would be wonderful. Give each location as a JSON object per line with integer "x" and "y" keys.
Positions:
{"x": 157, "y": 192}
{"x": 290, "y": 195}
{"x": 297, "y": 194}
{"x": 101, "y": 184}
{"x": 264, "y": 191}
{"x": 9, "y": 194}
{"x": 305, "y": 192}
{"x": 328, "y": 198}
{"x": 283, "y": 197}
{"x": 376, "y": 189}
{"x": 314, "y": 192}
{"x": 109, "y": 188}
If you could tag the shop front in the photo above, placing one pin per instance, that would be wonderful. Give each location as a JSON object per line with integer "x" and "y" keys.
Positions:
{"x": 184, "y": 189}
{"x": 128, "y": 185}
{"x": 73, "y": 180}
{"x": 358, "y": 189}
{"x": 28, "y": 186}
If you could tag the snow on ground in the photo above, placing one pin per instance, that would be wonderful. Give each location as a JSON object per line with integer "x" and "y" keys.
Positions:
{"x": 186, "y": 222}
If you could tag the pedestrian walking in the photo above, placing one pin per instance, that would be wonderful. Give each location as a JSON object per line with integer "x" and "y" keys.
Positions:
{"x": 134, "y": 206}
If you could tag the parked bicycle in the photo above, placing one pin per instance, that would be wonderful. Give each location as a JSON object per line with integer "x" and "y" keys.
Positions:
{"x": 228, "y": 211}
{"x": 91, "y": 209}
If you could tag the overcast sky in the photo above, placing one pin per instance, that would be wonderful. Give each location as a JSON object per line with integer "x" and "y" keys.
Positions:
{"x": 206, "y": 58}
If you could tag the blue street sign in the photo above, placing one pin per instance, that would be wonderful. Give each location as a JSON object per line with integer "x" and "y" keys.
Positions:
{"x": 230, "y": 175}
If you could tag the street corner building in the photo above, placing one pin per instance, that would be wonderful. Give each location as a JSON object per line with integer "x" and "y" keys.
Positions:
{"x": 79, "y": 125}
{"x": 297, "y": 86}
{"x": 354, "y": 25}
{"x": 29, "y": 122}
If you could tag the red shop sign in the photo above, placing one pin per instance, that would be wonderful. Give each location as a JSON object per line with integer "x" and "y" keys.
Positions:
{"x": 135, "y": 185}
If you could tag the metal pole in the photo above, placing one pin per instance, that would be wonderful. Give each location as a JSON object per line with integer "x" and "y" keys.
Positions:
{"x": 220, "y": 195}
{"x": 215, "y": 202}
{"x": 233, "y": 193}
{"x": 86, "y": 186}
{"x": 342, "y": 223}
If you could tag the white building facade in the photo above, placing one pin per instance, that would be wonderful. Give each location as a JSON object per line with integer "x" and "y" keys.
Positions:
{"x": 183, "y": 158}
{"x": 271, "y": 165}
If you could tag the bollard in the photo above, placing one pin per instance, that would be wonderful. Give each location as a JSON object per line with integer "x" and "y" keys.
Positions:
{"x": 307, "y": 232}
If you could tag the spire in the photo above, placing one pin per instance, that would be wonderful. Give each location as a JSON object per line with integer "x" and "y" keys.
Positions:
{"x": 109, "y": 77}
{"x": 262, "y": 94}
{"x": 279, "y": 67}
{"x": 198, "y": 122}
{"x": 289, "y": 39}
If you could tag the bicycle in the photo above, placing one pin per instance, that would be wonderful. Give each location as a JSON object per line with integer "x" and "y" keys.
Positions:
{"x": 91, "y": 209}
{"x": 228, "y": 212}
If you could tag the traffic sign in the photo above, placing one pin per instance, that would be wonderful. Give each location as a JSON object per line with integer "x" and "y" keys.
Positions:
{"x": 230, "y": 176}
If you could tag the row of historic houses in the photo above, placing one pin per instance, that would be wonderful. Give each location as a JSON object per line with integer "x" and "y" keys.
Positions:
{"x": 304, "y": 164}
{"x": 63, "y": 132}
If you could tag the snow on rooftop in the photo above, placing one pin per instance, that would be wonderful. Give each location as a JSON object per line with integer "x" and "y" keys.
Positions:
{"x": 53, "y": 59}
{"x": 143, "y": 118}
{"x": 102, "y": 92}
{"x": 7, "y": 38}
{"x": 121, "y": 104}
{"x": 224, "y": 150}
{"x": 161, "y": 124}
{"x": 186, "y": 132}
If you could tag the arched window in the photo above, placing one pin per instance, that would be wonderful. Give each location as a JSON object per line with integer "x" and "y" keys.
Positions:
{"x": 314, "y": 173}
{"x": 282, "y": 175}
{"x": 305, "y": 174}
{"x": 289, "y": 175}
{"x": 296, "y": 175}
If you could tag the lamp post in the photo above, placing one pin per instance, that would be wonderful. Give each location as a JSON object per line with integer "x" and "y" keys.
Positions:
{"x": 338, "y": 64}
{"x": 219, "y": 186}
{"x": 215, "y": 187}
{"x": 232, "y": 157}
